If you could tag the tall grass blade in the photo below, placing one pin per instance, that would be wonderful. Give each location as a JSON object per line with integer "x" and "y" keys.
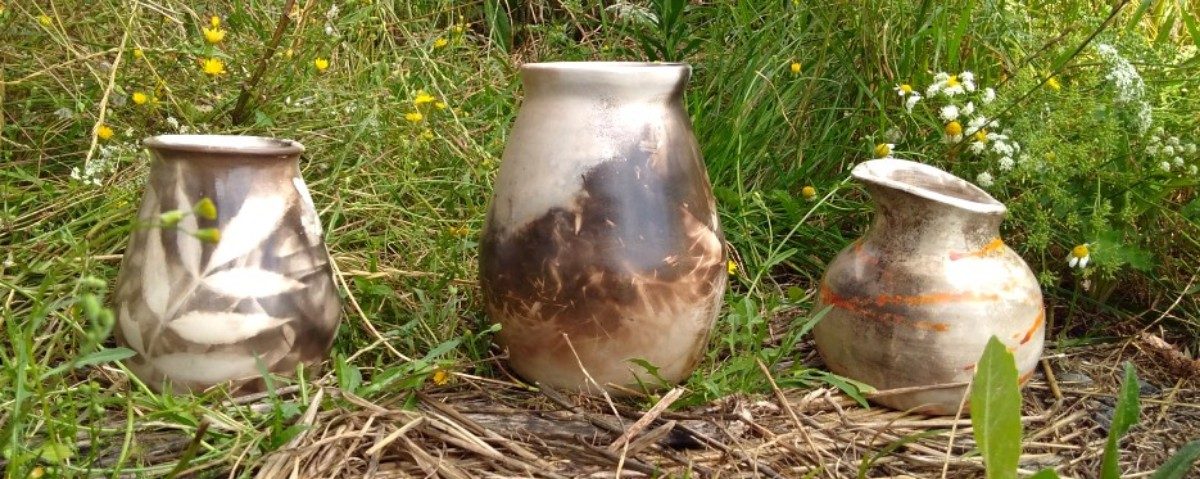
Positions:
{"x": 1124, "y": 417}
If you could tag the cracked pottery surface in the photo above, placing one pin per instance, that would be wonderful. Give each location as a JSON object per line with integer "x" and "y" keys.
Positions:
{"x": 602, "y": 244}
{"x": 915, "y": 300}
{"x": 200, "y": 313}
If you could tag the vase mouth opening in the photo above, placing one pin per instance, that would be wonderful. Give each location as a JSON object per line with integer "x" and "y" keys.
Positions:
{"x": 928, "y": 182}
{"x": 241, "y": 145}
{"x": 607, "y": 67}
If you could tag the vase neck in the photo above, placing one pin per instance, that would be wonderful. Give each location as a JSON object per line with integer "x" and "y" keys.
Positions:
{"x": 615, "y": 82}
{"x": 229, "y": 154}
{"x": 922, "y": 208}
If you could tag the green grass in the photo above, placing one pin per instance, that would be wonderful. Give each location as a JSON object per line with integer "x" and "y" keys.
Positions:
{"x": 396, "y": 196}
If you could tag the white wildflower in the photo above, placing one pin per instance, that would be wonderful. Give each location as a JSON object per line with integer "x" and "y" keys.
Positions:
{"x": 333, "y": 12}
{"x": 911, "y": 101}
{"x": 1002, "y": 148}
{"x": 1165, "y": 166}
{"x": 1152, "y": 149}
{"x": 988, "y": 95}
{"x": 968, "y": 80}
{"x": 1173, "y": 141}
{"x": 1177, "y": 161}
{"x": 977, "y": 147}
{"x": 173, "y": 123}
{"x": 1007, "y": 163}
{"x": 1168, "y": 150}
{"x": 968, "y": 109}
{"x": 949, "y": 113}
{"x": 1190, "y": 148}
{"x": 1154, "y": 139}
{"x": 1191, "y": 170}
{"x": 64, "y": 113}
{"x": 984, "y": 179}
{"x": 1127, "y": 82}
{"x": 977, "y": 123}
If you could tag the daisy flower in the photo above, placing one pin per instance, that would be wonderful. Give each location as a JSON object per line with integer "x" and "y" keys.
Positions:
{"x": 949, "y": 113}
{"x": 911, "y": 101}
{"x": 988, "y": 95}
{"x": 1079, "y": 256}
{"x": 904, "y": 89}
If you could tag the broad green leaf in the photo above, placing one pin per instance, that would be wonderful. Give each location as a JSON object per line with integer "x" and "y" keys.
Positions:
{"x": 996, "y": 411}
{"x": 1124, "y": 417}
{"x": 1180, "y": 464}
{"x": 1045, "y": 474}
{"x": 441, "y": 349}
{"x": 55, "y": 453}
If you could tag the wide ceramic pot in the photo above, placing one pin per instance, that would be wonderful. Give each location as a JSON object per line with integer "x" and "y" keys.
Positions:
{"x": 601, "y": 246}
{"x": 916, "y": 299}
{"x": 226, "y": 273}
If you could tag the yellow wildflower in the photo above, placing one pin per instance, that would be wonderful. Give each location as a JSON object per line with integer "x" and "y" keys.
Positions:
{"x": 458, "y": 28}
{"x": 952, "y": 81}
{"x": 212, "y": 66}
{"x": 289, "y": 53}
{"x": 140, "y": 98}
{"x": 731, "y": 266}
{"x": 423, "y": 97}
{"x": 321, "y": 64}
{"x": 440, "y": 105}
{"x": 954, "y": 128}
{"x": 904, "y": 89}
{"x": 45, "y": 20}
{"x": 1080, "y": 255}
{"x": 440, "y": 42}
{"x": 981, "y": 136}
{"x": 215, "y": 21}
{"x": 795, "y": 67}
{"x": 138, "y": 53}
{"x": 103, "y": 131}
{"x": 809, "y": 193}
{"x": 414, "y": 117}
{"x": 1053, "y": 84}
{"x": 460, "y": 231}
{"x": 884, "y": 150}
{"x": 213, "y": 35}
{"x": 441, "y": 377}
{"x": 427, "y": 134}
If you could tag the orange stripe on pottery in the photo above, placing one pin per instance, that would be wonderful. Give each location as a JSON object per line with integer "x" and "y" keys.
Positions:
{"x": 933, "y": 298}
{"x": 1026, "y": 376}
{"x": 996, "y": 244}
{"x": 867, "y": 308}
{"x": 1041, "y": 318}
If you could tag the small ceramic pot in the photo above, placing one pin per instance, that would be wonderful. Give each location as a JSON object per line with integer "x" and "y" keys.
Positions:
{"x": 915, "y": 301}
{"x": 231, "y": 287}
{"x": 602, "y": 248}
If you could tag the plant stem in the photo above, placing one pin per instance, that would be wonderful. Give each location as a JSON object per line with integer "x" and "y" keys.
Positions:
{"x": 238, "y": 115}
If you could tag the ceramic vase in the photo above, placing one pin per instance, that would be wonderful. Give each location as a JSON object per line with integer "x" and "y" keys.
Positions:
{"x": 226, "y": 273}
{"x": 915, "y": 300}
{"x": 601, "y": 257}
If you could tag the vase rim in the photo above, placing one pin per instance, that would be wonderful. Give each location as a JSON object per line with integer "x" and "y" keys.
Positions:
{"x": 928, "y": 182}
{"x": 604, "y": 66}
{"x": 244, "y": 145}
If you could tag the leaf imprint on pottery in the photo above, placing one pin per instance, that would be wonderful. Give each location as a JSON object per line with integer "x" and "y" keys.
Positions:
{"x": 189, "y": 246}
{"x": 130, "y": 329}
{"x": 206, "y": 368}
{"x": 258, "y": 217}
{"x": 213, "y": 327}
{"x": 156, "y": 283}
{"x": 308, "y": 217}
{"x": 250, "y": 283}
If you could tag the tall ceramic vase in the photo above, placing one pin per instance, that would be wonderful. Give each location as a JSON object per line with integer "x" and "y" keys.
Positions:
{"x": 915, "y": 301}
{"x": 235, "y": 276}
{"x": 602, "y": 256}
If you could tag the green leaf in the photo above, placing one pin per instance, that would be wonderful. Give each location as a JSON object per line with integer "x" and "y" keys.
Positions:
{"x": 1045, "y": 474}
{"x": 441, "y": 349}
{"x": 996, "y": 410}
{"x": 852, "y": 388}
{"x": 1180, "y": 464}
{"x": 1124, "y": 417}
{"x": 55, "y": 453}
{"x": 102, "y": 356}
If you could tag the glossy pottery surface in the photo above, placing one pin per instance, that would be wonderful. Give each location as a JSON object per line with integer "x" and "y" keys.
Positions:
{"x": 602, "y": 244}
{"x": 916, "y": 299}
{"x": 200, "y": 312}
